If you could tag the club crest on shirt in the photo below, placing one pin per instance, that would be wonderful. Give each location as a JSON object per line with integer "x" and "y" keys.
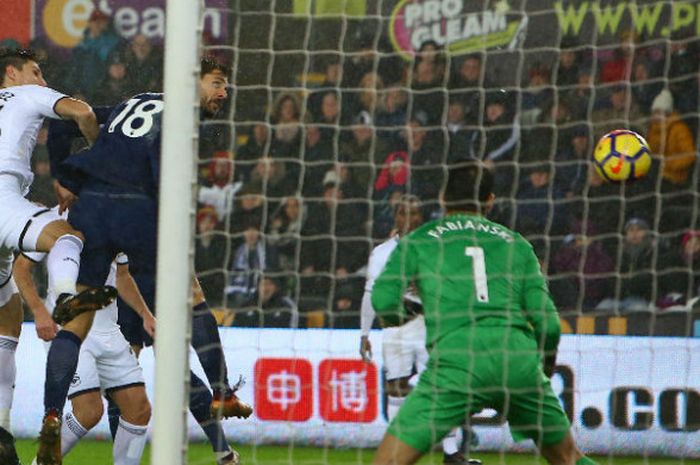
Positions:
{"x": 75, "y": 381}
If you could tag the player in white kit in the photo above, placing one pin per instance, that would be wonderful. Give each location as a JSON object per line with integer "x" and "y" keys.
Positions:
{"x": 106, "y": 364}
{"x": 24, "y": 103}
{"x": 403, "y": 347}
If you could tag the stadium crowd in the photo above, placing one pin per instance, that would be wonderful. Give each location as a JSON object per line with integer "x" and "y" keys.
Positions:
{"x": 293, "y": 200}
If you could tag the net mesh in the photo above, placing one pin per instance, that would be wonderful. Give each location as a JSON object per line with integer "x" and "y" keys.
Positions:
{"x": 339, "y": 108}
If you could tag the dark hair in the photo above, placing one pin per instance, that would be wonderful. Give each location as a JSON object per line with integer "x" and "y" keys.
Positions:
{"x": 469, "y": 184}
{"x": 16, "y": 57}
{"x": 209, "y": 65}
{"x": 8, "y": 454}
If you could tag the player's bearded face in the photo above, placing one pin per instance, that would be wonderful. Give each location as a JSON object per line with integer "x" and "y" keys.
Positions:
{"x": 212, "y": 92}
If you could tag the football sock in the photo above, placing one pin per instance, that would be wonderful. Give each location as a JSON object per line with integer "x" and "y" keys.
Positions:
{"x": 113, "y": 414}
{"x": 585, "y": 461}
{"x": 63, "y": 263}
{"x": 393, "y": 404}
{"x": 129, "y": 443}
{"x": 207, "y": 343}
{"x": 200, "y": 404}
{"x": 8, "y": 372}
{"x": 71, "y": 432}
{"x": 61, "y": 363}
{"x": 450, "y": 443}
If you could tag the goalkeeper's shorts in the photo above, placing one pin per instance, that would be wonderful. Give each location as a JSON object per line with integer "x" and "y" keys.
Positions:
{"x": 448, "y": 393}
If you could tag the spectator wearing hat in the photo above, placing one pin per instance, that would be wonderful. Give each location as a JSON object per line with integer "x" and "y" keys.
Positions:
{"x": 145, "y": 65}
{"x": 670, "y": 138}
{"x": 211, "y": 254}
{"x": 90, "y": 57}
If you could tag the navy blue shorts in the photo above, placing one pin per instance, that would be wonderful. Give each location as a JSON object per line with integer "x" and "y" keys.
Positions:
{"x": 114, "y": 222}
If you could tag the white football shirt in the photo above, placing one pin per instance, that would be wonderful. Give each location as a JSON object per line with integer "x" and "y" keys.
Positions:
{"x": 22, "y": 112}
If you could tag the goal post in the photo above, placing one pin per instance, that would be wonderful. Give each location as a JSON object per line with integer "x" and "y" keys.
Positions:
{"x": 175, "y": 255}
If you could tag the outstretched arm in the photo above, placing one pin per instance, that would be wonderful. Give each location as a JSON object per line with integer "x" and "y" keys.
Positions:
{"x": 83, "y": 115}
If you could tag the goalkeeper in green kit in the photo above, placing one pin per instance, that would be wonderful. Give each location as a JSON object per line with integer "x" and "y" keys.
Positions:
{"x": 492, "y": 329}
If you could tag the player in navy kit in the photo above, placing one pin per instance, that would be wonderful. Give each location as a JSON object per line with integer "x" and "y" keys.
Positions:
{"x": 116, "y": 182}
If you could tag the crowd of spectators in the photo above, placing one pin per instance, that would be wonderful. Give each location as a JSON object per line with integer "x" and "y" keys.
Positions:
{"x": 290, "y": 210}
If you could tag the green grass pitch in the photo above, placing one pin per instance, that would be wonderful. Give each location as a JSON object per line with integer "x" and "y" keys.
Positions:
{"x": 100, "y": 453}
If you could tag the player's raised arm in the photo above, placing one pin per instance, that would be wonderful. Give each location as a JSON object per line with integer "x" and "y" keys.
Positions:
{"x": 46, "y": 328}
{"x": 539, "y": 308}
{"x": 83, "y": 115}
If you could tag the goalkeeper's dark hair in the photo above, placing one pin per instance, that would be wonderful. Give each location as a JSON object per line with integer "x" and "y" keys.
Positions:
{"x": 16, "y": 57}
{"x": 469, "y": 185}
{"x": 209, "y": 65}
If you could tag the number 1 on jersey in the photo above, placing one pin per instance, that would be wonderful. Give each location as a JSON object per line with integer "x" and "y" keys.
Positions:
{"x": 479, "y": 269}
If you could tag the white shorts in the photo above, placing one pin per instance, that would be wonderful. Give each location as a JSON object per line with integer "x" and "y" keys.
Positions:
{"x": 21, "y": 222}
{"x": 106, "y": 363}
{"x": 403, "y": 349}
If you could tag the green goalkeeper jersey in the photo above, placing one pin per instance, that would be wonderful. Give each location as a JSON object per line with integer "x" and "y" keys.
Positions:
{"x": 473, "y": 276}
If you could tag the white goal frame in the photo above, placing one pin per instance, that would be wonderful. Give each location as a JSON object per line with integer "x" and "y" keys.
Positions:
{"x": 176, "y": 220}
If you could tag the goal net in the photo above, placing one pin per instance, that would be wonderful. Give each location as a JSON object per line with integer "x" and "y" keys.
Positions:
{"x": 339, "y": 109}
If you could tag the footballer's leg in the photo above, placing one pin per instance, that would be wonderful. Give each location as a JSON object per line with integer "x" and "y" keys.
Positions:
{"x": 64, "y": 245}
{"x": 10, "y": 326}
{"x": 200, "y": 407}
{"x": 565, "y": 452}
{"x": 86, "y": 413}
{"x": 207, "y": 345}
{"x": 135, "y": 413}
{"x": 61, "y": 364}
{"x": 393, "y": 451}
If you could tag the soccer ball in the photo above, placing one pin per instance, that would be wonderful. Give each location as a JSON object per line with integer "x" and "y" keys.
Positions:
{"x": 621, "y": 155}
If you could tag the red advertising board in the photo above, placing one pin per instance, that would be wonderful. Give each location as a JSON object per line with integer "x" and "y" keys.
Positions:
{"x": 16, "y": 20}
{"x": 347, "y": 390}
{"x": 283, "y": 389}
